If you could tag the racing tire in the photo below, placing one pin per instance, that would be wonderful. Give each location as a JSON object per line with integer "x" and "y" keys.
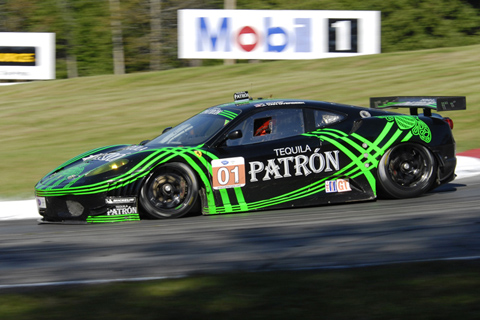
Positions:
{"x": 405, "y": 171}
{"x": 170, "y": 192}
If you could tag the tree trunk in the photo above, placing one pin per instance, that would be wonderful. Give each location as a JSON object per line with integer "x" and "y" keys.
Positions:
{"x": 71, "y": 59}
{"x": 117, "y": 40}
{"x": 155, "y": 34}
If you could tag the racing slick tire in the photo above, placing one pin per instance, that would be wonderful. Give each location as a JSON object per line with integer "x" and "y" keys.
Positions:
{"x": 406, "y": 170}
{"x": 170, "y": 192}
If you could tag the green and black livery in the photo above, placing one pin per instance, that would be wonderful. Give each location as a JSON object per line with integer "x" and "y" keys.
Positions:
{"x": 256, "y": 155}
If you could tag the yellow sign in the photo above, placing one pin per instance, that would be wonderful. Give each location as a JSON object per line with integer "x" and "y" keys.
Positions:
{"x": 17, "y": 57}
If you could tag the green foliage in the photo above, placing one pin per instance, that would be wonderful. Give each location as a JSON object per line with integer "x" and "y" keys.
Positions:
{"x": 91, "y": 37}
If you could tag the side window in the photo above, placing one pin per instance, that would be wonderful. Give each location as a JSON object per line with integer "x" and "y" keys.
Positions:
{"x": 269, "y": 125}
{"x": 325, "y": 118}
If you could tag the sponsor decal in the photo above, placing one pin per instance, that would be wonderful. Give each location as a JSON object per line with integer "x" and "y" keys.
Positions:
{"x": 283, "y": 103}
{"x": 198, "y": 153}
{"x": 135, "y": 148}
{"x": 299, "y": 165}
{"x": 420, "y": 102}
{"x": 107, "y": 157}
{"x": 41, "y": 203}
{"x": 228, "y": 173}
{"x": 116, "y": 200}
{"x": 277, "y": 34}
{"x": 120, "y": 210}
{"x": 339, "y": 185}
{"x": 292, "y": 150}
{"x": 213, "y": 111}
{"x": 277, "y": 103}
{"x": 120, "y": 206}
{"x": 17, "y": 56}
{"x": 241, "y": 96}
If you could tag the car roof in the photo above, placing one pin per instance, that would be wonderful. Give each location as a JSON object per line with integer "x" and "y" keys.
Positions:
{"x": 250, "y": 105}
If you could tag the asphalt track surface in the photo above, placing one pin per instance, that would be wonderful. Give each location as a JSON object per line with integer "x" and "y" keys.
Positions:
{"x": 443, "y": 224}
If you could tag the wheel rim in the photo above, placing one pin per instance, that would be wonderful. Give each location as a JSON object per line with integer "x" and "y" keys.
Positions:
{"x": 168, "y": 191}
{"x": 408, "y": 166}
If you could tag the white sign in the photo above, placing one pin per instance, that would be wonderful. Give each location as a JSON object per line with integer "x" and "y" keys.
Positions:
{"x": 277, "y": 34}
{"x": 27, "y": 55}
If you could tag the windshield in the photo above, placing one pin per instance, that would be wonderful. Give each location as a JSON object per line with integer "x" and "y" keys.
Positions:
{"x": 198, "y": 129}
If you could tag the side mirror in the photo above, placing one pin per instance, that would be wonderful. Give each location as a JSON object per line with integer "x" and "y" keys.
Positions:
{"x": 237, "y": 134}
{"x": 166, "y": 129}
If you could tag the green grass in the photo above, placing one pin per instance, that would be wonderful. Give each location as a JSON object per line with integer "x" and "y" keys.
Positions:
{"x": 434, "y": 290}
{"x": 45, "y": 123}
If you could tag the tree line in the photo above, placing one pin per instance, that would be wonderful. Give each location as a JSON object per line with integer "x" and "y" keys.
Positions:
{"x": 96, "y": 37}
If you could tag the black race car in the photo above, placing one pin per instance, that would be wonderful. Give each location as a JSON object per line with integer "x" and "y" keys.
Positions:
{"x": 260, "y": 154}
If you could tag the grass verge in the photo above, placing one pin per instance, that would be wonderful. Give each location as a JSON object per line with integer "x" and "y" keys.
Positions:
{"x": 433, "y": 290}
{"x": 45, "y": 123}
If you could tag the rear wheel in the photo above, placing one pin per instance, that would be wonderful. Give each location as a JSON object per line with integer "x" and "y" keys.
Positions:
{"x": 405, "y": 171}
{"x": 170, "y": 192}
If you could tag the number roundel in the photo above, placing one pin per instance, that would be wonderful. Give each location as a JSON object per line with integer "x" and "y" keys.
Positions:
{"x": 228, "y": 173}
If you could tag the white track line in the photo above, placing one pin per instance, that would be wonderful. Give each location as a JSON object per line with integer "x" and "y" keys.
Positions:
{"x": 84, "y": 282}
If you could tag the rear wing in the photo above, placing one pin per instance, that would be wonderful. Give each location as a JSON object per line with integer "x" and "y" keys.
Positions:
{"x": 426, "y": 103}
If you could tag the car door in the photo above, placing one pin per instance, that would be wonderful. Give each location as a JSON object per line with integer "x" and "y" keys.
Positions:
{"x": 271, "y": 160}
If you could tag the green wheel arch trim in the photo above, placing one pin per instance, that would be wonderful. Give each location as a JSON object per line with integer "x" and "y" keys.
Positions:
{"x": 413, "y": 123}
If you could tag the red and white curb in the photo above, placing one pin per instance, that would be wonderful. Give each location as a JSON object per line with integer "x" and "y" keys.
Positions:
{"x": 467, "y": 166}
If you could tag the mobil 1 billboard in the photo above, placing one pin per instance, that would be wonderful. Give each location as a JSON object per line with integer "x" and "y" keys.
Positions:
{"x": 277, "y": 34}
{"x": 27, "y": 55}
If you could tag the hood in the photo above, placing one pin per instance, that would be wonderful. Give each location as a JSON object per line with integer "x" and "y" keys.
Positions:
{"x": 101, "y": 170}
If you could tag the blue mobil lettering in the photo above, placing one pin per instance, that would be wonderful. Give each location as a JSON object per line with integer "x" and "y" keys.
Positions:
{"x": 299, "y": 165}
{"x": 218, "y": 35}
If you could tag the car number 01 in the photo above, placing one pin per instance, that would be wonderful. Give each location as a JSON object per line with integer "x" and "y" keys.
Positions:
{"x": 228, "y": 173}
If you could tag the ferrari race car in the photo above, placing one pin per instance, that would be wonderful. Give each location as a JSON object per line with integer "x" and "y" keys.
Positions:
{"x": 260, "y": 154}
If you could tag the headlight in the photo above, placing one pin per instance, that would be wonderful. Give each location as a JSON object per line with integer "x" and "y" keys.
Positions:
{"x": 114, "y": 165}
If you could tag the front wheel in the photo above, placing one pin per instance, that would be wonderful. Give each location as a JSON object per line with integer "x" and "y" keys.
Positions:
{"x": 170, "y": 192}
{"x": 405, "y": 171}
